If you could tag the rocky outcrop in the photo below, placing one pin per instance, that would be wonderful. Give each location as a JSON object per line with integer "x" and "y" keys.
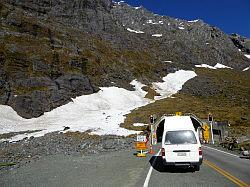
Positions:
{"x": 54, "y": 50}
{"x": 241, "y": 42}
{"x": 36, "y": 95}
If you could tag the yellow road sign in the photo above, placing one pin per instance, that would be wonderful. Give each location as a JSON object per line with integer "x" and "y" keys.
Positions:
{"x": 140, "y": 145}
{"x": 206, "y": 132}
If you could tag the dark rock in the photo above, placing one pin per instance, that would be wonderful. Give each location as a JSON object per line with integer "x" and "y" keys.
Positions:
{"x": 36, "y": 95}
{"x": 66, "y": 128}
{"x": 241, "y": 42}
{"x": 74, "y": 84}
{"x": 202, "y": 86}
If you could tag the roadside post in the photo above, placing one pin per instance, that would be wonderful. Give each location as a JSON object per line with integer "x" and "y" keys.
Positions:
{"x": 154, "y": 141}
{"x": 152, "y": 136}
{"x": 141, "y": 145}
{"x": 210, "y": 119}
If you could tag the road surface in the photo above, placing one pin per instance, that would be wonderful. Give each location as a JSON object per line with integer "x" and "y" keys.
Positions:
{"x": 125, "y": 169}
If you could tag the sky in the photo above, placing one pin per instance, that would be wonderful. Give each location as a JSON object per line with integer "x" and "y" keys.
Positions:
{"x": 231, "y": 16}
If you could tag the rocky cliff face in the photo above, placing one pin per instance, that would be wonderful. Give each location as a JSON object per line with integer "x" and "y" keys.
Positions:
{"x": 241, "y": 42}
{"x": 54, "y": 50}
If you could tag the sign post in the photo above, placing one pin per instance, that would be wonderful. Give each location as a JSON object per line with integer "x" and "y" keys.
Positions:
{"x": 210, "y": 119}
{"x": 141, "y": 145}
{"x": 152, "y": 142}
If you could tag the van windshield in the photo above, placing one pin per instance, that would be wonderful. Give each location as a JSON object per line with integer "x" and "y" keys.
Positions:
{"x": 180, "y": 137}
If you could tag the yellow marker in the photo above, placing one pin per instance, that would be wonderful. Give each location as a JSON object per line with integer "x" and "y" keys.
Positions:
{"x": 141, "y": 154}
{"x": 226, "y": 174}
{"x": 206, "y": 132}
{"x": 178, "y": 113}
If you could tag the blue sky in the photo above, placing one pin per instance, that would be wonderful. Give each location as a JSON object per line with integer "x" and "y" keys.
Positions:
{"x": 231, "y": 16}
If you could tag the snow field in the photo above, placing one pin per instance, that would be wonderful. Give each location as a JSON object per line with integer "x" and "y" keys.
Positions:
{"x": 101, "y": 112}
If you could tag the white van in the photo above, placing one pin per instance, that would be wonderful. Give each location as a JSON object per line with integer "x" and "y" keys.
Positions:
{"x": 180, "y": 142}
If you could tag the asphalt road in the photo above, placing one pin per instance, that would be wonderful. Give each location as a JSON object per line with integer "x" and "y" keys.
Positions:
{"x": 240, "y": 168}
{"x": 218, "y": 169}
{"x": 125, "y": 169}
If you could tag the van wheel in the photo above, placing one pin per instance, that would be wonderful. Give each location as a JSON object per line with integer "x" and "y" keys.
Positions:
{"x": 197, "y": 168}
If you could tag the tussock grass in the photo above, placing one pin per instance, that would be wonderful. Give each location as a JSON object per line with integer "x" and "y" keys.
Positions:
{"x": 7, "y": 164}
{"x": 81, "y": 135}
{"x": 245, "y": 145}
{"x": 151, "y": 92}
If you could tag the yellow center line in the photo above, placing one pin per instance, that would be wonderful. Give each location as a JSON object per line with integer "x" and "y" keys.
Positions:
{"x": 226, "y": 174}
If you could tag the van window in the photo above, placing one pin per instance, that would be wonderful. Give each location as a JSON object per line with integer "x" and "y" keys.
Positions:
{"x": 180, "y": 137}
{"x": 159, "y": 131}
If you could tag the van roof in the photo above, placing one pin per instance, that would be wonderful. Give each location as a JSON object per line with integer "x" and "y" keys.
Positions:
{"x": 178, "y": 123}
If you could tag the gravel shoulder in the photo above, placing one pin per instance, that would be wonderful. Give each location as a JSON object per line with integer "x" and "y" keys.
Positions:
{"x": 119, "y": 168}
{"x": 70, "y": 143}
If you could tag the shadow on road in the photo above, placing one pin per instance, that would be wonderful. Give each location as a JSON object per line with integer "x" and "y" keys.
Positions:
{"x": 157, "y": 164}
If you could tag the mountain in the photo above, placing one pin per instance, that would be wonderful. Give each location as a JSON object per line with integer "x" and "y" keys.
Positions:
{"x": 54, "y": 50}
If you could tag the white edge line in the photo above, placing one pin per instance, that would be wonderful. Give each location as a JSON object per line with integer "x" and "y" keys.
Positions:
{"x": 220, "y": 151}
{"x": 150, "y": 171}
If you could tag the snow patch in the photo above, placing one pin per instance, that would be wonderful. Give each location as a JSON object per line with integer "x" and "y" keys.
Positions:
{"x": 193, "y": 21}
{"x": 246, "y": 69}
{"x": 157, "y": 35}
{"x": 169, "y": 61}
{"x": 248, "y": 56}
{"x": 155, "y": 23}
{"x": 137, "y": 7}
{"x": 204, "y": 66}
{"x": 172, "y": 83}
{"x": 131, "y": 30}
{"x": 218, "y": 65}
{"x": 120, "y": 2}
{"x": 139, "y": 124}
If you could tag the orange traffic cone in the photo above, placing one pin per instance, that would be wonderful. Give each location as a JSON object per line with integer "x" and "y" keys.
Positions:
{"x": 151, "y": 151}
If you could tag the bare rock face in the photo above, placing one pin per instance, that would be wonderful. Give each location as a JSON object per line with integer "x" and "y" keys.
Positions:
{"x": 40, "y": 94}
{"x": 241, "y": 42}
{"x": 54, "y": 50}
